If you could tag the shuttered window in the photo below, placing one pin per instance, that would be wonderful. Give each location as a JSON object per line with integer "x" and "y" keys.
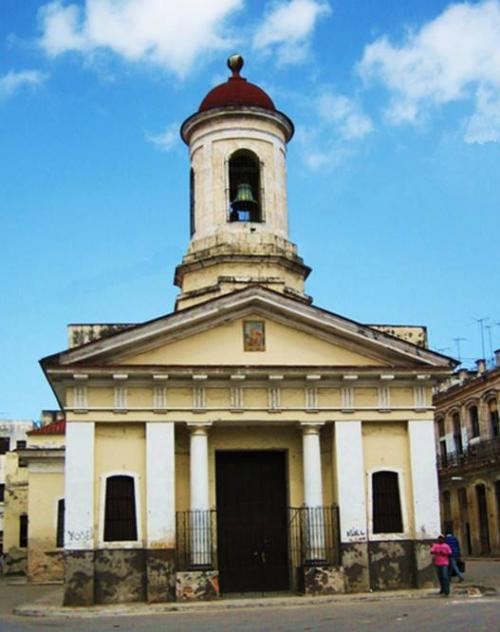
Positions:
{"x": 387, "y": 516}
{"x": 60, "y": 523}
{"x": 23, "y": 531}
{"x": 120, "y": 522}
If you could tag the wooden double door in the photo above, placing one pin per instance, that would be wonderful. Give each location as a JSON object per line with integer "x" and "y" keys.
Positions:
{"x": 252, "y": 535}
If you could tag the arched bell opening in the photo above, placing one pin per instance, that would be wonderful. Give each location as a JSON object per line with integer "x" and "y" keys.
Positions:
{"x": 244, "y": 187}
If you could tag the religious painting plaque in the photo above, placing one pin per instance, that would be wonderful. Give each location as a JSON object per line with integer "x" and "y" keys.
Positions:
{"x": 254, "y": 335}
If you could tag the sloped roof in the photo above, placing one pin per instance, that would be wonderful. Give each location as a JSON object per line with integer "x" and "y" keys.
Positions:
{"x": 57, "y": 427}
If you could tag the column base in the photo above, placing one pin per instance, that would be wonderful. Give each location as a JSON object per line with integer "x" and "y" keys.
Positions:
{"x": 200, "y": 585}
{"x": 78, "y": 578}
{"x": 160, "y": 567}
{"x": 323, "y": 580}
{"x": 354, "y": 557}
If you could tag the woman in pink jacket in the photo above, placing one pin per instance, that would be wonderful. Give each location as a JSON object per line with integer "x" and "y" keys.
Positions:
{"x": 441, "y": 553}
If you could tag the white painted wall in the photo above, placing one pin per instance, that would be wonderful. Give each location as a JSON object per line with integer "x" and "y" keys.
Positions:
{"x": 160, "y": 484}
{"x": 79, "y": 486}
{"x": 350, "y": 480}
{"x": 424, "y": 479}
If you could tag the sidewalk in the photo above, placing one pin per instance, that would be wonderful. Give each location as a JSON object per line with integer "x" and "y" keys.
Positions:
{"x": 50, "y": 604}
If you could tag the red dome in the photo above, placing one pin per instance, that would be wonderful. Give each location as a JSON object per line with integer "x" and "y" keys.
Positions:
{"x": 236, "y": 91}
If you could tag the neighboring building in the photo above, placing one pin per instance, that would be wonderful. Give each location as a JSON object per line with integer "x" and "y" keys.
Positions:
{"x": 468, "y": 448}
{"x": 13, "y": 490}
{"x": 248, "y": 441}
{"x": 44, "y": 456}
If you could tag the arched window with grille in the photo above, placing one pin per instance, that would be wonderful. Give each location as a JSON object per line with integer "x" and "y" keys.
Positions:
{"x": 120, "y": 520}
{"x": 244, "y": 187}
{"x": 493, "y": 413}
{"x": 386, "y": 503}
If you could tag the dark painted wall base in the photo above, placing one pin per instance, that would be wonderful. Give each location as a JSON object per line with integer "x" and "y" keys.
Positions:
{"x": 197, "y": 585}
{"x": 160, "y": 582}
{"x": 392, "y": 565}
{"x": 120, "y": 575}
{"x": 323, "y": 580}
{"x": 354, "y": 557}
{"x": 425, "y": 575}
{"x": 78, "y": 578}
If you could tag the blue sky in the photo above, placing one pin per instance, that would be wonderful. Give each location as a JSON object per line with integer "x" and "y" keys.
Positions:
{"x": 393, "y": 175}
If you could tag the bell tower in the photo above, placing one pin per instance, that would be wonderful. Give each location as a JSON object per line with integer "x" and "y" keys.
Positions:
{"x": 238, "y": 212}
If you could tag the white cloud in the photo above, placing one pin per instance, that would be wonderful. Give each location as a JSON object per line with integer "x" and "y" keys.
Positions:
{"x": 167, "y": 139}
{"x": 338, "y": 124}
{"x": 14, "y": 81}
{"x": 345, "y": 115}
{"x": 166, "y": 33}
{"x": 454, "y": 57}
{"x": 287, "y": 28}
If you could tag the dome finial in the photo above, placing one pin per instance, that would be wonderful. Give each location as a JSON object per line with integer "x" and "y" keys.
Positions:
{"x": 235, "y": 64}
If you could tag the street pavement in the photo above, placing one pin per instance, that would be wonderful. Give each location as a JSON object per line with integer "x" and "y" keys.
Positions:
{"x": 381, "y": 612}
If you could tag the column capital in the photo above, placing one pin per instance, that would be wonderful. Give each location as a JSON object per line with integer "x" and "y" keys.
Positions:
{"x": 311, "y": 427}
{"x": 199, "y": 427}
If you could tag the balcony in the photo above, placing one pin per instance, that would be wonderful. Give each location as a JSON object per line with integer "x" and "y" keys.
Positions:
{"x": 476, "y": 456}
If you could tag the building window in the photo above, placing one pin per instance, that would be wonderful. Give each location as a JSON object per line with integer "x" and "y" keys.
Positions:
{"x": 494, "y": 421}
{"x": 120, "y": 521}
{"x": 60, "y": 523}
{"x": 387, "y": 517}
{"x": 457, "y": 434}
{"x": 20, "y": 445}
{"x": 244, "y": 187}
{"x": 447, "y": 518}
{"x": 474, "y": 421}
{"x": 2, "y": 492}
{"x": 440, "y": 425}
{"x": 4, "y": 444}
{"x": 23, "y": 531}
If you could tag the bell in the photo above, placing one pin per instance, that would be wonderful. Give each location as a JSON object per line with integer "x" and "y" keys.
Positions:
{"x": 244, "y": 200}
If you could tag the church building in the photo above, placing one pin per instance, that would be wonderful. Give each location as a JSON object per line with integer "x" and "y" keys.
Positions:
{"x": 249, "y": 441}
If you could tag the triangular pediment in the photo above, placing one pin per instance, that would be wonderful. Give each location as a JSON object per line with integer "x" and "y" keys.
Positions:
{"x": 213, "y": 333}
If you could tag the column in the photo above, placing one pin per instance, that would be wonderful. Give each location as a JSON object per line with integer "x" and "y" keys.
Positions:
{"x": 350, "y": 470}
{"x": 160, "y": 482}
{"x": 313, "y": 493}
{"x": 424, "y": 479}
{"x": 427, "y": 523}
{"x": 201, "y": 540}
{"x": 79, "y": 514}
{"x": 160, "y": 498}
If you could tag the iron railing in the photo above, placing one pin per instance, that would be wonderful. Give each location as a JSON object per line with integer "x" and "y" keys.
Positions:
{"x": 474, "y": 455}
{"x": 314, "y": 536}
{"x": 196, "y": 533}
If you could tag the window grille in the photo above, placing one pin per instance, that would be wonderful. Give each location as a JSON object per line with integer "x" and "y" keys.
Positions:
{"x": 387, "y": 517}
{"x": 120, "y": 521}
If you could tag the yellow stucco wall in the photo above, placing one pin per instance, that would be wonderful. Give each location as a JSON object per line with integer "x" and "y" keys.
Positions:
{"x": 386, "y": 446}
{"x": 119, "y": 449}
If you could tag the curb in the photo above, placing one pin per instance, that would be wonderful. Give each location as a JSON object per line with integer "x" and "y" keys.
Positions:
{"x": 141, "y": 609}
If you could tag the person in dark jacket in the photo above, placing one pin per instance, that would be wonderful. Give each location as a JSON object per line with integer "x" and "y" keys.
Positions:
{"x": 452, "y": 542}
